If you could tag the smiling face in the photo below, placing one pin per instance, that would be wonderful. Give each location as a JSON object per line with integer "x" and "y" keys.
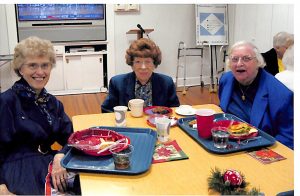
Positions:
{"x": 143, "y": 69}
{"x": 243, "y": 64}
{"x": 36, "y": 71}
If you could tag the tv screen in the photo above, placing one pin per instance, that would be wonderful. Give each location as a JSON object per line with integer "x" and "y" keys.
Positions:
{"x": 53, "y": 12}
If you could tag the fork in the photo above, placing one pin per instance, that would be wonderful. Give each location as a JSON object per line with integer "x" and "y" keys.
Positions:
{"x": 112, "y": 146}
{"x": 244, "y": 142}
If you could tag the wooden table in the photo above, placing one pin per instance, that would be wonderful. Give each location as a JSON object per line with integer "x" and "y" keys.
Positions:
{"x": 189, "y": 176}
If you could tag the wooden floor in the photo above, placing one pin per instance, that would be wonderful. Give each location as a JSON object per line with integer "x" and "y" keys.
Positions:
{"x": 90, "y": 103}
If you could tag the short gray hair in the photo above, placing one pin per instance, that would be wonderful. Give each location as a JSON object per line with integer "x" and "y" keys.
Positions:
{"x": 260, "y": 60}
{"x": 32, "y": 47}
{"x": 283, "y": 39}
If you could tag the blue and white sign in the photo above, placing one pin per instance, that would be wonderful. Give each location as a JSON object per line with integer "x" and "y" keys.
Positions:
{"x": 211, "y": 24}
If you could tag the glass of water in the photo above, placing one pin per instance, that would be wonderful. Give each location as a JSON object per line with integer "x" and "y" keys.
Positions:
{"x": 220, "y": 137}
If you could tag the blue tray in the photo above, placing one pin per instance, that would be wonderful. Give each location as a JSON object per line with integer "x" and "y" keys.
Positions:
{"x": 142, "y": 139}
{"x": 264, "y": 141}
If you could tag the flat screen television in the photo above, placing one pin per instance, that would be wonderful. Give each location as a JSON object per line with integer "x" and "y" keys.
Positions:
{"x": 62, "y": 22}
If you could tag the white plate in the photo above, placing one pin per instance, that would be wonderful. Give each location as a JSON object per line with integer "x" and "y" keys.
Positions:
{"x": 185, "y": 112}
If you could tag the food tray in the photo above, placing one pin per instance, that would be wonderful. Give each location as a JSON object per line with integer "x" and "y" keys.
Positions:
{"x": 264, "y": 141}
{"x": 143, "y": 141}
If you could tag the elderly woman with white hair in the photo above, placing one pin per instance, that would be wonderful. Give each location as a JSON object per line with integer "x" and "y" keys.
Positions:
{"x": 287, "y": 76}
{"x": 252, "y": 94}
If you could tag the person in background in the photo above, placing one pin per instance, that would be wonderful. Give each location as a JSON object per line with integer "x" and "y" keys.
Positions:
{"x": 154, "y": 88}
{"x": 255, "y": 96}
{"x": 287, "y": 76}
{"x": 31, "y": 120}
{"x": 273, "y": 57}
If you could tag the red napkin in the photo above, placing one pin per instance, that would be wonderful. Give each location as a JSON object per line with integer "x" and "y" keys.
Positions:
{"x": 266, "y": 156}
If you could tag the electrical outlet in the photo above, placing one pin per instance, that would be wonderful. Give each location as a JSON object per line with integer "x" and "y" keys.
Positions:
{"x": 132, "y": 7}
{"x": 120, "y": 7}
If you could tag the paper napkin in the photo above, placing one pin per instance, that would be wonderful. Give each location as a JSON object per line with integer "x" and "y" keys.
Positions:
{"x": 266, "y": 156}
{"x": 169, "y": 151}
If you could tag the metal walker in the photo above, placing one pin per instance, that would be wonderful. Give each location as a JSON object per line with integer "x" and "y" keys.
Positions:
{"x": 183, "y": 52}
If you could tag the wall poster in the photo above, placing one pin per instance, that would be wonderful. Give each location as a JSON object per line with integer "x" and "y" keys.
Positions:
{"x": 211, "y": 24}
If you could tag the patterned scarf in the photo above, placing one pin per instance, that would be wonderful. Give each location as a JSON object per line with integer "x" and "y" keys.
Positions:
{"x": 144, "y": 92}
{"x": 23, "y": 90}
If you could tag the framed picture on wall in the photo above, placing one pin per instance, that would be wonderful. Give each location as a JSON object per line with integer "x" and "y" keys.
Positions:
{"x": 211, "y": 24}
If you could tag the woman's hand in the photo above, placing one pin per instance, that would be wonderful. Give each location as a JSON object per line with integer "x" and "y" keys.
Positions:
{"x": 4, "y": 190}
{"x": 59, "y": 174}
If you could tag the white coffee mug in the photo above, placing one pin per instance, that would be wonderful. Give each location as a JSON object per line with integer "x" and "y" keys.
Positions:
{"x": 136, "y": 107}
{"x": 120, "y": 115}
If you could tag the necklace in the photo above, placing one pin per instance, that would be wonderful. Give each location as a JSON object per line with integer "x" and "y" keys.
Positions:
{"x": 243, "y": 92}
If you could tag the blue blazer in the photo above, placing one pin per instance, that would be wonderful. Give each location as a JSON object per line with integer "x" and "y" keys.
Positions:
{"x": 121, "y": 90}
{"x": 273, "y": 106}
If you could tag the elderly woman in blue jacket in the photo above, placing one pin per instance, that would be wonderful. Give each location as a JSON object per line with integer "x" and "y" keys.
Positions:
{"x": 155, "y": 89}
{"x": 31, "y": 120}
{"x": 256, "y": 96}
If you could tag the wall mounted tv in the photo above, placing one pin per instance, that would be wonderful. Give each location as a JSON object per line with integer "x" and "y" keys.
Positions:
{"x": 62, "y": 22}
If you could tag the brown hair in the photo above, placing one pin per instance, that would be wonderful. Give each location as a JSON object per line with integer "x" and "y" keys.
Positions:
{"x": 144, "y": 48}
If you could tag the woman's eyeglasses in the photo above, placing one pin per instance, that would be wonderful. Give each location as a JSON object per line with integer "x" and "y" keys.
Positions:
{"x": 35, "y": 66}
{"x": 146, "y": 63}
{"x": 244, "y": 59}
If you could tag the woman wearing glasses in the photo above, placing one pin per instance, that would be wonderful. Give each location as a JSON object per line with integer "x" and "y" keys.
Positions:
{"x": 31, "y": 120}
{"x": 155, "y": 89}
{"x": 257, "y": 97}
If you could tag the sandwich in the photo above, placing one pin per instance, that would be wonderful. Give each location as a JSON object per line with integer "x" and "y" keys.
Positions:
{"x": 241, "y": 129}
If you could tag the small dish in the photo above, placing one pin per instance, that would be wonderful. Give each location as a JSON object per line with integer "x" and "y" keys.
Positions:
{"x": 151, "y": 119}
{"x": 158, "y": 110}
{"x": 185, "y": 111}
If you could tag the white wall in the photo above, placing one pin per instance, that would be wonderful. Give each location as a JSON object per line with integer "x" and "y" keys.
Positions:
{"x": 4, "y": 48}
{"x": 259, "y": 23}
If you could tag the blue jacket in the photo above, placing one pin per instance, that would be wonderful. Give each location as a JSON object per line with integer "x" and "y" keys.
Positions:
{"x": 273, "y": 106}
{"x": 22, "y": 129}
{"x": 121, "y": 90}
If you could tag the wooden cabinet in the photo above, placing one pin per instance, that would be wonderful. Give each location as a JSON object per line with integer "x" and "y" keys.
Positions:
{"x": 78, "y": 72}
{"x": 56, "y": 81}
{"x": 79, "y": 69}
{"x": 93, "y": 76}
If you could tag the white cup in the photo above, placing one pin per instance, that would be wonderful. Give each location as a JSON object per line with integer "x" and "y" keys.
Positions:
{"x": 120, "y": 115}
{"x": 163, "y": 128}
{"x": 136, "y": 107}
